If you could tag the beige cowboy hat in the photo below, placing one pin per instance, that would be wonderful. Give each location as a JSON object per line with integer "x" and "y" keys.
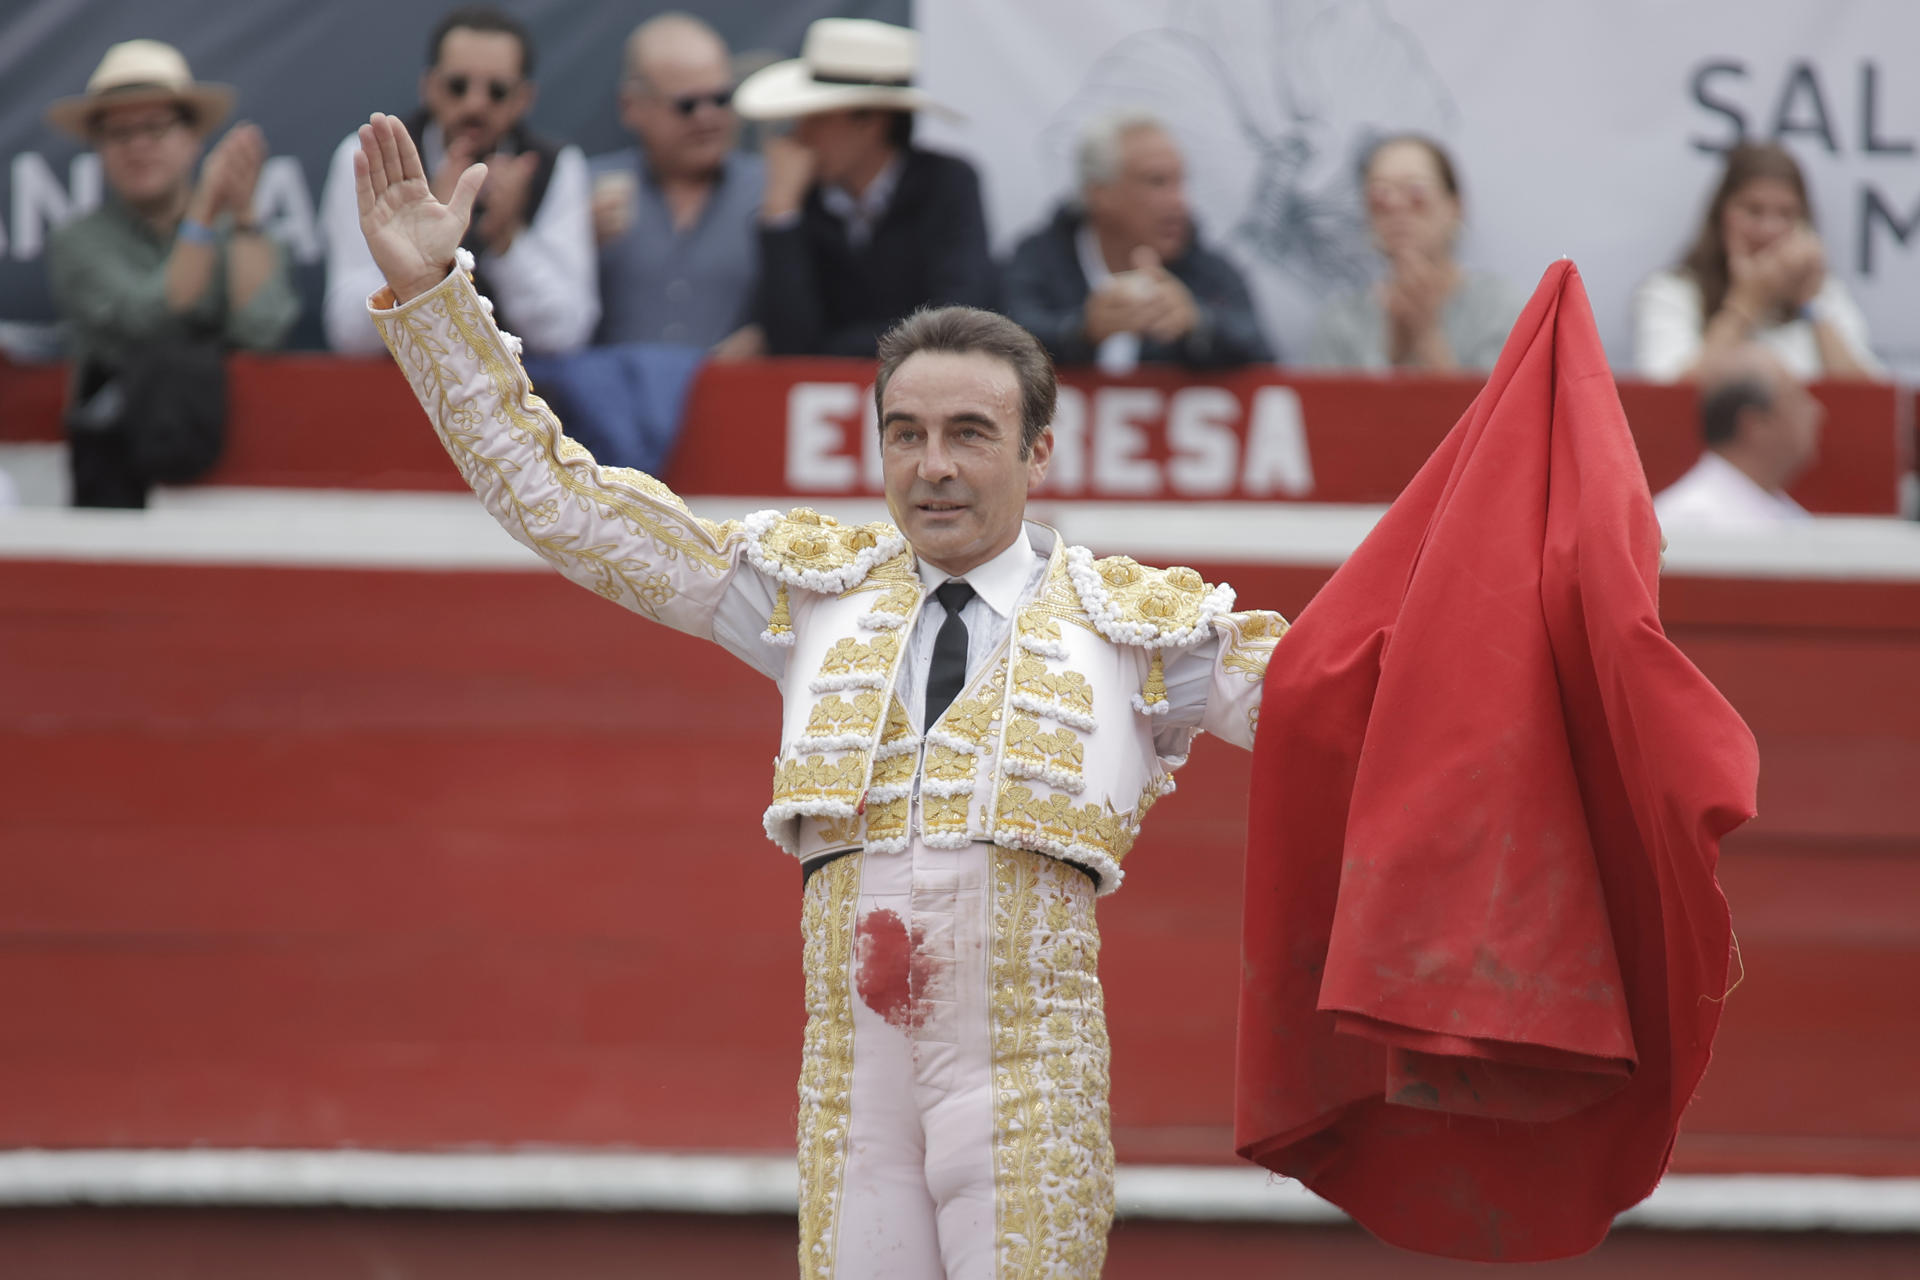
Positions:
{"x": 137, "y": 72}
{"x": 844, "y": 63}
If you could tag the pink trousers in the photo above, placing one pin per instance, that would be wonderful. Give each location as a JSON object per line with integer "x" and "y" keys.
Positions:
{"x": 953, "y": 1090}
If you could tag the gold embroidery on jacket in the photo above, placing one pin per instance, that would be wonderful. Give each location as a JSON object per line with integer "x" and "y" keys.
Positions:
{"x": 1063, "y": 695}
{"x": 815, "y": 778}
{"x": 850, "y": 657}
{"x": 803, "y": 540}
{"x": 901, "y": 585}
{"x": 1252, "y": 637}
{"x": 1053, "y": 1153}
{"x": 956, "y": 751}
{"x": 887, "y": 819}
{"x": 646, "y": 507}
{"x": 826, "y": 1062}
{"x": 834, "y": 716}
{"x": 1055, "y": 756}
{"x": 1168, "y": 599}
{"x": 1052, "y": 824}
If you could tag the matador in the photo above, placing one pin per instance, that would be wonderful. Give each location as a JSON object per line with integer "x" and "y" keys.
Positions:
{"x": 976, "y": 718}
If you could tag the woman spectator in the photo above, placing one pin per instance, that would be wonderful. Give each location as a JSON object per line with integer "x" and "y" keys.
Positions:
{"x": 1428, "y": 313}
{"x": 1755, "y": 272}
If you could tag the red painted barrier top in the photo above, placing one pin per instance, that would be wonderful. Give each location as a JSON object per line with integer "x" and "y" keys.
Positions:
{"x": 803, "y": 429}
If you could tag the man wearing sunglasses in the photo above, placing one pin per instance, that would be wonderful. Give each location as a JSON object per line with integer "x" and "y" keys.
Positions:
{"x": 532, "y": 230}
{"x": 675, "y": 215}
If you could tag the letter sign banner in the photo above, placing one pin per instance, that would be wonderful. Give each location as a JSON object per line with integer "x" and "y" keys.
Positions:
{"x": 806, "y": 430}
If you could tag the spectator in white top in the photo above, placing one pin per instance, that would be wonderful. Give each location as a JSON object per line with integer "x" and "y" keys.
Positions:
{"x": 532, "y": 228}
{"x": 1761, "y": 429}
{"x": 1428, "y": 312}
{"x": 1756, "y": 272}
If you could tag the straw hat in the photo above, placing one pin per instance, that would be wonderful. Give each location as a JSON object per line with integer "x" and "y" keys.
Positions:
{"x": 843, "y": 64}
{"x": 135, "y": 73}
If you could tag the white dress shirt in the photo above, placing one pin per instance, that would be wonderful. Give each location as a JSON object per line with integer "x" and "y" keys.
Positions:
{"x": 1119, "y": 353}
{"x": 546, "y": 284}
{"x": 862, "y": 213}
{"x": 1715, "y": 494}
{"x": 1000, "y": 586}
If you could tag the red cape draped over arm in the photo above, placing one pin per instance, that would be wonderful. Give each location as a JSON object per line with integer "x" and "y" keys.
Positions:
{"x": 1484, "y": 945}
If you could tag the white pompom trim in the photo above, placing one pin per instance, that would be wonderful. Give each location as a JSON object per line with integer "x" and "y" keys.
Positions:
{"x": 1045, "y": 648}
{"x": 1055, "y": 711}
{"x": 941, "y": 738}
{"x": 846, "y": 680}
{"x": 819, "y": 581}
{"x": 777, "y": 817}
{"x": 832, "y": 742}
{"x": 1051, "y": 774}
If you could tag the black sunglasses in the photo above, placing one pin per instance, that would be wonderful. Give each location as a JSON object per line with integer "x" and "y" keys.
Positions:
{"x": 688, "y": 103}
{"x": 497, "y": 90}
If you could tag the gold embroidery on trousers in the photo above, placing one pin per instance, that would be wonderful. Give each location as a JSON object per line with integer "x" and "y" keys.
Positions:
{"x": 826, "y": 1063}
{"x": 1053, "y": 1152}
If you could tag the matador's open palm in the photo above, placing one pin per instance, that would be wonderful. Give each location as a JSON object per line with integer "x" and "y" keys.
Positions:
{"x": 411, "y": 233}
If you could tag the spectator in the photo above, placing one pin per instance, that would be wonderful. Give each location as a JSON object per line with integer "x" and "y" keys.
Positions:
{"x": 533, "y": 226}
{"x": 1429, "y": 313}
{"x": 675, "y": 216}
{"x": 165, "y": 262}
{"x": 858, "y": 227}
{"x": 1120, "y": 275}
{"x": 1756, "y": 272}
{"x": 1761, "y": 429}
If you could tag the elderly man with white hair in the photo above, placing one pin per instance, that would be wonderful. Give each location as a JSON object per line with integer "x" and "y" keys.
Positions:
{"x": 1119, "y": 277}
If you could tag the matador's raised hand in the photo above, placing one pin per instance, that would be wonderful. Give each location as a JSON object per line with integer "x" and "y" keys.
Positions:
{"x": 411, "y": 233}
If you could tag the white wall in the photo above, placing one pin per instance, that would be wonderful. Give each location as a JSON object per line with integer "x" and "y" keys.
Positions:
{"x": 1581, "y": 127}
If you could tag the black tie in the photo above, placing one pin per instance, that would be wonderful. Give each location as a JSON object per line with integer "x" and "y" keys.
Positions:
{"x": 948, "y": 674}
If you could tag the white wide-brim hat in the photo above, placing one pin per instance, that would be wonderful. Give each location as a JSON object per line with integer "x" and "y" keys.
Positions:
{"x": 844, "y": 64}
{"x": 137, "y": 72}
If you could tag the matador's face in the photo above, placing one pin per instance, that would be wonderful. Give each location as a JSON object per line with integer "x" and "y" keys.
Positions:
{"x": 950, "y": 442}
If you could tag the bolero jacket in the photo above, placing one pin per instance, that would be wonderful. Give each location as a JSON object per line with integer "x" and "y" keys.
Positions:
{"x": 1060, "y": 744}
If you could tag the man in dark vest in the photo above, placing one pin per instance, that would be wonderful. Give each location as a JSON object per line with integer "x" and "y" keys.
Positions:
{"x": 858, "y": 227}
{"x": 532, "y": 230}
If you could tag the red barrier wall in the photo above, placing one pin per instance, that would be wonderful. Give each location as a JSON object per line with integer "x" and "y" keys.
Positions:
{"x": 314, "y": 857}
{"x": 798, "y": 428}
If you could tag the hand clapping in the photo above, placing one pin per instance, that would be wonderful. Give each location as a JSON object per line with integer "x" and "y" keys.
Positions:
{"x": 1148, "y": 299}
{"x": 1781, "y": 277}
{"x": 230, "y": 175}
